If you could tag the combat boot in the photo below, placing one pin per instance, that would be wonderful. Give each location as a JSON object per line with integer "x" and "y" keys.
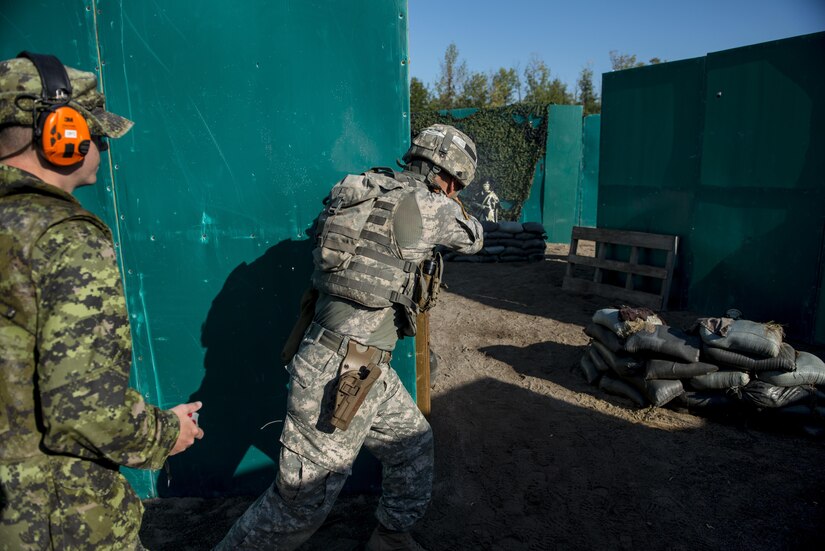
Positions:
{"x": 384, "y": 539}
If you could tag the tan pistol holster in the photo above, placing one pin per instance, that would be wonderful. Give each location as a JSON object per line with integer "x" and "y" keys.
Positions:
{"x": 359, "y": 371}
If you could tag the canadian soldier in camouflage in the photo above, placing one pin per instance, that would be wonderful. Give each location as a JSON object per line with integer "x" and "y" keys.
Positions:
{"x": 375, "y": 243}
{"x": 68, "y": 418}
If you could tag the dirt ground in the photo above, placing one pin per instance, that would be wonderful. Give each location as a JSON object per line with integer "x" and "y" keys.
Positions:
{"x": 529, "y": 456}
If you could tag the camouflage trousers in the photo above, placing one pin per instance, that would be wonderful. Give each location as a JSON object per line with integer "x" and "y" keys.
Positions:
{"x": 316, "y": 458}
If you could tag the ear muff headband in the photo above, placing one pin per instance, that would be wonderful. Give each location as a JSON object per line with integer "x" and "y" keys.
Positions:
{"x": 61, "y": 133}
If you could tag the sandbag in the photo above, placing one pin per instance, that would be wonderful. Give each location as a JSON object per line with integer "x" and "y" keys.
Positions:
{"x": 533, "y": 227}
{"x": 810, "y": 370}
{"x": 784, "y": 361}
{"x": 591, "y": 374}
{"x": 604, "y": 336}
{"x": 534, "y": 244}
{"x": 762, "y": 394}
{"x": 720, "y": 380}
{"x": 597, "y": 361}
{"x": 625, "y": 366}
{"x": 494, "y": 235}
{"x": 667, "y": 341}
{"x": 708, "y": 401}
{"x": 489, "y": 226}
{"x": 494, "y": 249}
{"x": 609, "y": 318}
{"x": 668, "y": 369}
{"x": 745, "y": 336}
{"x": 659, "y": 392}
{"x": 614, "y": 386}
{"x": 510, "y": 227}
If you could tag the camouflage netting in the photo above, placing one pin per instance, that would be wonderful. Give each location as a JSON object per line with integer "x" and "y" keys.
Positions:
{"x": 510, "y": 141}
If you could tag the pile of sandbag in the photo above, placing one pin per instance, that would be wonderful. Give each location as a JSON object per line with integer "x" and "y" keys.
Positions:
{"x": 720, "y": 363}
{"x": 508, "y": 242}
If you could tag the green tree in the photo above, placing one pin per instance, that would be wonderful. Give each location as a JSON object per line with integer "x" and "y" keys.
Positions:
{"x": 587, "y": 92}
{"x": 451, "y": 81}
{"x": 540, "y": 87}
{"x": 419, "y": 96}
{"x": 476, "y": 91}
{"x": 505, "y": 84}
{"x": 623, "y": 61}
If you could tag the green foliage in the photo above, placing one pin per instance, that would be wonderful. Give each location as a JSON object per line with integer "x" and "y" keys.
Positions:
{"x": 510, "y": 141}
{"x": 419, "y": 96}
{"x": 451, "y": 81}
{"x": 623, "y": 61}
{"x": 504, "y": 87}
{"x": 587, "y": 93}
{"x": 476, "y": 91}
{"x": 541, "y": 88}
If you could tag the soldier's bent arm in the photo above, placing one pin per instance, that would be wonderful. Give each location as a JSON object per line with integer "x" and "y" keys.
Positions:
{"x": 446, "y": 222}
{"x": 84, "y": 349}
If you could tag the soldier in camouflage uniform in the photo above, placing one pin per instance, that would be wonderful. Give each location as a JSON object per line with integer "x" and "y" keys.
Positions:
{"x": 68, "y": 418}
{"x": 366, "y": 282}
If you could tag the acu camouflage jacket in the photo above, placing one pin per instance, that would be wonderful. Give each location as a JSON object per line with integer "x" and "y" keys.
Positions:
{"x": 68, "y": 418}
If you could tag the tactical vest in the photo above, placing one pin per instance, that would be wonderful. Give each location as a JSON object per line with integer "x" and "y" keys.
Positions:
{"x": 28, "y": 208}
{"x": 357, "y": 256}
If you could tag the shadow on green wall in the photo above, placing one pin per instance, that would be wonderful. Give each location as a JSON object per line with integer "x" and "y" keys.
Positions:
{"x": 244, "y": 388}
{"x": 245, "y": 385}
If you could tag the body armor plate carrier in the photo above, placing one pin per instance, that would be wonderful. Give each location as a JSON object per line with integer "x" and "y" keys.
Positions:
{"x": 357, "y": 256}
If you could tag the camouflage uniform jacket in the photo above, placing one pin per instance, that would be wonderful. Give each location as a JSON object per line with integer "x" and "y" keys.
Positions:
{"x": 68, "y": 418}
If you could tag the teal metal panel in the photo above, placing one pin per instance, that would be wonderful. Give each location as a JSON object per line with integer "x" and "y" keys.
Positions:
{"x": 651, "y": 125}
{"x": 725, "y": 151}
{"x": 531, "y": 211}
{"x": 758, "y": 217}
{"x": 587, "y": 199}
{"x": 562, "y": 164}
{"x": 649, "y": 153}
{"x": 246, "y": 114}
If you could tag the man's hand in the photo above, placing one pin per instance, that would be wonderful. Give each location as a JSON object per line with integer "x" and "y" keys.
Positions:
{"x": 189, "y": 429}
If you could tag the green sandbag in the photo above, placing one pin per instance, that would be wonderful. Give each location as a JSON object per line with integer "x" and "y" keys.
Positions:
{"x": 609, "y": 318}
{"x": 762, "y": 394}
{"x": 591, "y": 374}
{"x": 625, "y": 366}
{"x": 810, "y": 370}
{"x": 720, "y": 380}
{"x": 750, "y": 337}
{"x": 668, "y": 369}
{"x": 657, "y": 392}
{"x": 707, "y": 401}
{"x": 597, "y": 360}
{"x": 614, "y": 386}
{"x": 665, "y": 341}
{"x": 784, "y": 361}
{"x": 604, "y": 336}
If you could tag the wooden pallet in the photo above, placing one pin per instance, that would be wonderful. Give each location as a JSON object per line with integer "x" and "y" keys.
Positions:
{"x": 636, "y": 241}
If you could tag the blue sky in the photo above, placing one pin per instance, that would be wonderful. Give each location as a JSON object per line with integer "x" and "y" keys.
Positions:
{"x": 569, "y": 35}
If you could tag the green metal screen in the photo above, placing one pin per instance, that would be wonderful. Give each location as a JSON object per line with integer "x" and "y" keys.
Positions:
{"x": 246, "y": 114}
{"x": 726, "y": 152}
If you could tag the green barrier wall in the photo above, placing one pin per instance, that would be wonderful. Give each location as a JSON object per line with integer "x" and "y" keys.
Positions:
{"x": 563, "y": 160}
{"x": 564, "y": 192}
{"x": 588, "y": 192}
{"x": 726, "y": 152}
{"x": 246, "y": 114}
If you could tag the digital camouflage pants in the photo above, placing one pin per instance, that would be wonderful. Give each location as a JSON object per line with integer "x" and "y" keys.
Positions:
{"x": 316, "y": 459}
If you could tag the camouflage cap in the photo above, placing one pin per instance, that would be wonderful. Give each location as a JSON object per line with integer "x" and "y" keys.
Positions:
{"x": 19, "y": 77}
{"x": 448, "y": 148}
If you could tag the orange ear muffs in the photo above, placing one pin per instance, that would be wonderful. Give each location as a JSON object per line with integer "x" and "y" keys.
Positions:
{"x": 63, "y": 136}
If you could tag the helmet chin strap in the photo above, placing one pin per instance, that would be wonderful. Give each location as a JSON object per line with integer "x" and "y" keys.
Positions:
{"x": 434, "y": 170}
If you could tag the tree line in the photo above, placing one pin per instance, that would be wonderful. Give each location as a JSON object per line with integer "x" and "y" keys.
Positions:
{"x": 457, "y": 86}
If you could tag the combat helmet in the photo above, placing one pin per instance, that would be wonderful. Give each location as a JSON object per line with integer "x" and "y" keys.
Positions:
{"x": 448, "y": 148}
